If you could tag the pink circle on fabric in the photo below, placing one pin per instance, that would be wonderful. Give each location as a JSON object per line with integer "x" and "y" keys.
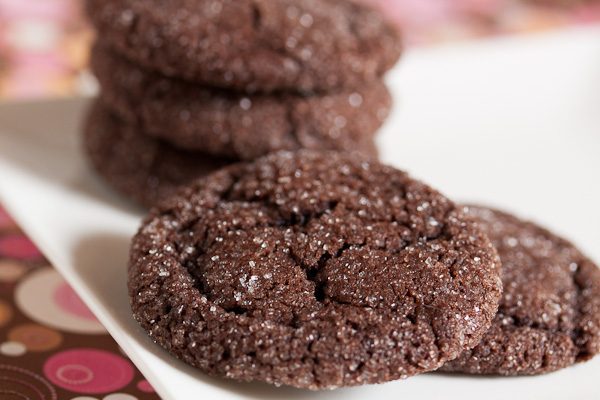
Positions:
{"x": 145, "y": 386}
{"x": 88, "y": 371}
{"x": 19, "y": 247}
{"x": 66, "y": 298}
{"x": 5, "y": 220}
{"x": 75, "y": 374}
{"x": 57, "y": 10}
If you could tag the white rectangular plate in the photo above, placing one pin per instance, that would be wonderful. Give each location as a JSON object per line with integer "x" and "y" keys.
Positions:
{"x": 513, "y": 123}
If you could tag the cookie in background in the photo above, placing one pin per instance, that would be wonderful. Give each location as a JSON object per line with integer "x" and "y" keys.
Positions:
{"x": 44, "y": 45}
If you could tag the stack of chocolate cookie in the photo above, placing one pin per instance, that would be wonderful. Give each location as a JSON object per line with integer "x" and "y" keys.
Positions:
{"x": 191, "y": 86}
{"x": 316, "y": 269}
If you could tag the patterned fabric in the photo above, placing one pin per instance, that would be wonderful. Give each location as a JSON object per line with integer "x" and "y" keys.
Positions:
{"x": 43, "y": 47}
{"x": 51, "y": 346}
{"x": 434, "y": 21}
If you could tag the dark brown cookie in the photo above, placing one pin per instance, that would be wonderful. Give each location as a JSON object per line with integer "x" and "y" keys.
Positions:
{"x": 316, "y": 270}
{"x": 226, "y": 123}
{"x": 257, "y": 45}
{"x": 143, "y": 168}
{"x": 549, "y": 314}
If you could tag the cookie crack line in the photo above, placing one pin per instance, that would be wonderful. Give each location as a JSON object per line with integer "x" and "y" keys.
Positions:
{"x": 298, "y": 223}
{"x": 293, "y": 132}
{"x": 256, "y": 16}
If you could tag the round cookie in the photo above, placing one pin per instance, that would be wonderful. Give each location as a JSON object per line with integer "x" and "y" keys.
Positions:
{"x": 316, "y": 270}
{"x": 241, "y": 126}
{"x": 142, "y": 168}
{"x": 258, "y": 45}
{"x": 549, "y": 314}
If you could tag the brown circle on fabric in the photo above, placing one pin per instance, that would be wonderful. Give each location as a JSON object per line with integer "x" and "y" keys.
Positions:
{"x": 36, "y": 337}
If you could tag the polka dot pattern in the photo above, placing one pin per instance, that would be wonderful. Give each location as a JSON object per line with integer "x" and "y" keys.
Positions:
{"x": 12, "y": 349}
{"x": 67, "y": 299}
{"x": 120, "y": 396}
{"x": 28, "y": 384}
{"x": 5, "y": 313}
{"x": 18, "y": 247}
{"x": 42, "y": 296}
{"x": 36, "y": 337}
{"x": 6, "y": 221}
{"x": 145, "y": 386}
{"x": 51, "y": 345}
{"x": 11, "y": 270}
{"x": 88, "y": 371}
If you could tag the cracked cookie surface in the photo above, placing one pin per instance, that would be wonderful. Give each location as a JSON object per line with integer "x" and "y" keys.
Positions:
{"x": 142, "y": 168}
{"x": 237, "y": 125}
{"x": 256, "y": 45}
{"x": 549, "y": 313}
{"x": 316, "y": 270}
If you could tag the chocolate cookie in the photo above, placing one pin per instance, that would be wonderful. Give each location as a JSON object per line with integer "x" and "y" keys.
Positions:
{"x": 257, "y": 45}
{"x": 142, "y": 168}
{"x": 316, "y": 270}
{"x": 227, "y": 123}
{"x": 549, "y": 314}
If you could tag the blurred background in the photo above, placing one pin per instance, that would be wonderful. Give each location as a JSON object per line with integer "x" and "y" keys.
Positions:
{"x": 44, "y": 43}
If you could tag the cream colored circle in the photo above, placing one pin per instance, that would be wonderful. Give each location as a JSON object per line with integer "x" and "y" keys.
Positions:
{"x": 12, "y": 349}
{"x": 11, "y": 270}
{"x": 34, "y": 297}
{"x": 119, "y": 396}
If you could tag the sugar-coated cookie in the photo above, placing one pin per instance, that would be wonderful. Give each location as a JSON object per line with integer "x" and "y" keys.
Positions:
{"x": 316, "y": 270}
{"x": 142, "y": 168}
{"x": 237, "y": 125}
{"x": 549, "y": 313}
{"x": 255, "y": 45}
